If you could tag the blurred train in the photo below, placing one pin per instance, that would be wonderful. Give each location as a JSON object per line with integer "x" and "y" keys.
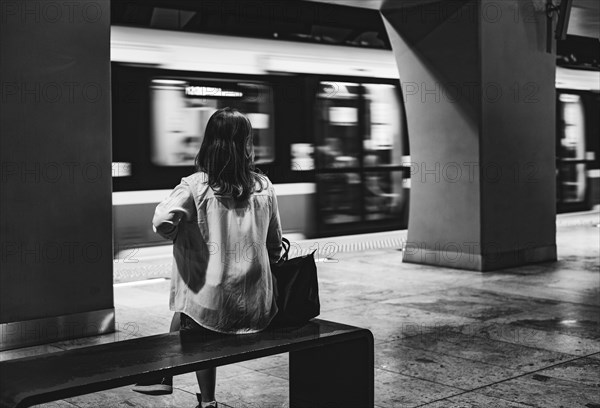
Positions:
{"x": 329, "y": 128}
{"x": 326, "y": 126}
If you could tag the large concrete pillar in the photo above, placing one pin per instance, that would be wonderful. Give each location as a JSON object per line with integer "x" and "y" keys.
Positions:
{"x": 55, "y": 149}
{"x": 479, "y": 90}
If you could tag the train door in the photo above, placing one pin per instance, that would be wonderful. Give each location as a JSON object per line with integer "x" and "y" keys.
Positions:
{"x": 572, "y": 155}
{"x": 359, "y": 150}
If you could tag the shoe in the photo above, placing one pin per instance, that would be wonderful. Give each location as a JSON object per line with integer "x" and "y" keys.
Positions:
{"x": 212, "y": 404}
{"x": 163, "y": 386}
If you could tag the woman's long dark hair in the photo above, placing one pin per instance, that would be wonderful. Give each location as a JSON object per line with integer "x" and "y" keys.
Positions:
{"x": 227, "y": 155}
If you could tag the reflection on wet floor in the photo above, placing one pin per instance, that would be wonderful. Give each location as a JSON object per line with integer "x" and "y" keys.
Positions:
{"x": 520, "y": 337}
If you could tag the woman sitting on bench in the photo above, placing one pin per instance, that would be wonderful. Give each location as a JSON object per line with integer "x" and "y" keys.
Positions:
{"x": 224, "y": 223}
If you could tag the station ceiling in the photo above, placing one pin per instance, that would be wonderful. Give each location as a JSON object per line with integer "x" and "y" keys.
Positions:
{"x": 584, "y": 21}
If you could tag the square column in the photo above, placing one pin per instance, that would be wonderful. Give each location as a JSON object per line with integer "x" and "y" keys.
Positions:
{"x": 479, "y": 89}
{"x": 56, "y": 182}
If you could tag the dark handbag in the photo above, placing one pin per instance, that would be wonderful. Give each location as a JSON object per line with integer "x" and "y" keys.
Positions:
{"x": 296, "y": 288}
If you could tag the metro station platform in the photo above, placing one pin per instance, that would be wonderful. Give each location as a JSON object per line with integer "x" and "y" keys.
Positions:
{"x": 519, "y": 337}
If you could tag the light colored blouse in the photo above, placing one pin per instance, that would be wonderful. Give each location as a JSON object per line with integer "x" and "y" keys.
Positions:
{"x": 221, "y": 276}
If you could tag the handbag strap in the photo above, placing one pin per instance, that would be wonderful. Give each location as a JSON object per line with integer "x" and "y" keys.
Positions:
{"x": 286, "y": 249}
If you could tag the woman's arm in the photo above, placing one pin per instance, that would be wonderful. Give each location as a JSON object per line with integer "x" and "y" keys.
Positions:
{"x": 169, "y": 213}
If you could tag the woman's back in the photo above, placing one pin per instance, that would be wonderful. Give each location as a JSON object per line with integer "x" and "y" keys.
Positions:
{"x": 221, "y": 272}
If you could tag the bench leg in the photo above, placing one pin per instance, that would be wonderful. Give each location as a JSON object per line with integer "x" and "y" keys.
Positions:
{"x": 335, "y": 375}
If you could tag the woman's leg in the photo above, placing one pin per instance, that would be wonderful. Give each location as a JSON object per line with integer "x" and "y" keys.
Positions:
{"x": 207, "y": 380}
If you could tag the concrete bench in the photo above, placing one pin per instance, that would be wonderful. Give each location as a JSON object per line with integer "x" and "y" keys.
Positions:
{"x": 331, "y": 364}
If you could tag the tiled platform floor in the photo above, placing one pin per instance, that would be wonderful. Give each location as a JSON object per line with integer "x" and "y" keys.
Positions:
{"x": 445, "y": 338}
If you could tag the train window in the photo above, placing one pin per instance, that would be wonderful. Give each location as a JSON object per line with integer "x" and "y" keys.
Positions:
{"x": 382, "y": 142}
{"x": 339, "y": 108}
{"x": 181, "y": 107}
{"x": 572, "y": 168}
{"x": 573, "y": 137}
